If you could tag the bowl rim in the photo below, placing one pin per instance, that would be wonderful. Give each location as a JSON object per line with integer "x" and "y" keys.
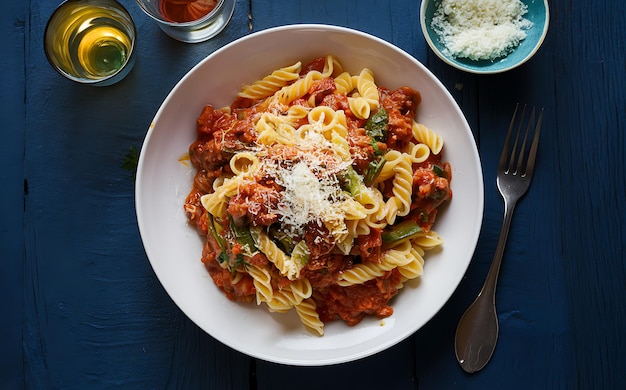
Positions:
{"x": 446, "y": 59}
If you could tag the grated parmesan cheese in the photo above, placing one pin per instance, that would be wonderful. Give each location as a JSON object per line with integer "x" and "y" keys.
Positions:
{"x": 305, "y": 198}
{"x": 312, "y": 193}
{"x": 480, "y": 29}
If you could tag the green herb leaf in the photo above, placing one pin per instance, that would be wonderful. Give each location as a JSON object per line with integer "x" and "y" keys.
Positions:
{"x": 239, "y": 260}
{"x": 131, "y": 160}
{"x": 376, "y": 125}
{"x": 223, "y": 257}
{"x": 438, "y": 171}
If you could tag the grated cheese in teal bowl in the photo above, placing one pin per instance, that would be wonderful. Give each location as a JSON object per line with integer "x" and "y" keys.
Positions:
{"x": 465, "y": 37}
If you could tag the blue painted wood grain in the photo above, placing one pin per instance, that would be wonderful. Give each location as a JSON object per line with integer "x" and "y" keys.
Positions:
{"x": 12, "y": 132}
{"x": 86, "y": 310}
{"x": 95, "y": 315}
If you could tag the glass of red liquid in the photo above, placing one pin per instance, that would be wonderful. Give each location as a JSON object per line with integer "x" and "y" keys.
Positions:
{"x": 189, "y": 21}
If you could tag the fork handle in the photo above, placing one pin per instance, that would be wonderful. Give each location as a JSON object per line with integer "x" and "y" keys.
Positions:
{"x": 489, "y": 287}
{"x": 477, "y": 331}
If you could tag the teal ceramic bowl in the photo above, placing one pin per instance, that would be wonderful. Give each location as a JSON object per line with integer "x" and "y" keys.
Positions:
{"x": 538, "y": 14}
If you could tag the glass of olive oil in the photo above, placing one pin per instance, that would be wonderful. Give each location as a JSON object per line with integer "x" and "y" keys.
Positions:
{"x": 189, "y": 21}
{"x": 91, "y": 41}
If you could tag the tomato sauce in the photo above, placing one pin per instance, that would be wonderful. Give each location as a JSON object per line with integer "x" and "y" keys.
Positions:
{"x": 351, "y": 304}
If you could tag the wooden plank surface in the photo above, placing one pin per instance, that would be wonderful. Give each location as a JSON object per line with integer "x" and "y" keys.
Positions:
{"x": 95, "y": 314}
{"x": 12, "y": 131}
{"x": 86, "y": 310}
{"x": 590, "y": 67}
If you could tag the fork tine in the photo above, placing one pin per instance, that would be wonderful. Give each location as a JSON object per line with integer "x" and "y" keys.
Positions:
{"x": 502, "y": 165}
{"x": 530, "y": 165}
{"x": 507, "y": 162}
{"x": 522, "y": 154}
{"x": 511, "y": 166}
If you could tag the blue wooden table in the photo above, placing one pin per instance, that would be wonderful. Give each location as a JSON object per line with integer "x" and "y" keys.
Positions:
{"x": 84, "y": 309}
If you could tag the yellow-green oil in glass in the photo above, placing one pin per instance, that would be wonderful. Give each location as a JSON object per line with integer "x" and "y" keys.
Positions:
{"x": 89, "y": 41}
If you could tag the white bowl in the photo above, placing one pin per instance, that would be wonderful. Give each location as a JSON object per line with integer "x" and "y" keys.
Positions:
{"x": 174, "y": 248}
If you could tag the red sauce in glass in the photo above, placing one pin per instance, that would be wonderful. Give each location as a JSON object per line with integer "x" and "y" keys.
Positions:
{"x": 181, "y": 11}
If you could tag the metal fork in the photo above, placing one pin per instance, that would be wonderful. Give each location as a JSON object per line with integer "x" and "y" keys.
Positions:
{"x": 477, "y": 332}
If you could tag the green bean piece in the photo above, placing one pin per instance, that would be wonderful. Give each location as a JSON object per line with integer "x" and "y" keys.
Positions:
{"x": 352, "y": 182}
{"x": 301, "y": 253}
{"x": 401, "y": 231}
{"x": 242, "y": 236}
{"x": 374, "y": 169}
{"x": 219, "y": 239}
{"x": 282, "y": 239}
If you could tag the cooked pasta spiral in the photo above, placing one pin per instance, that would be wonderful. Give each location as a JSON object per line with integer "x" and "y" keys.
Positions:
{"x": 272, "y": 83}
{"x": 427, "y": 136}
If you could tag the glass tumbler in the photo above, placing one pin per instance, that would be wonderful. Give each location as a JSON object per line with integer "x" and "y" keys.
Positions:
{"x": 189, "y": 21}
{"x": 91, "y": 41}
